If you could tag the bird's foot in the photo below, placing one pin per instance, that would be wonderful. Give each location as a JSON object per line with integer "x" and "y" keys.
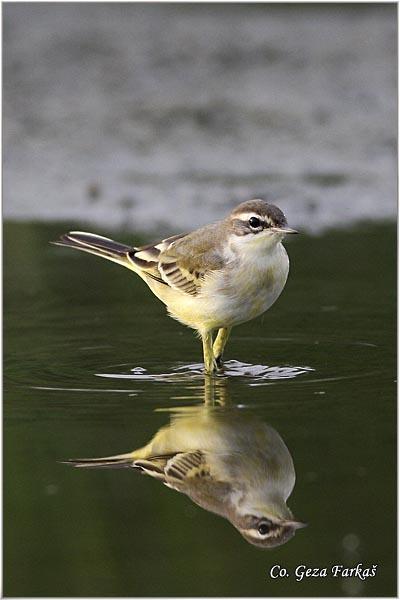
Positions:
{"x": 219, "y": 363}
{"x": 211, "y": 368}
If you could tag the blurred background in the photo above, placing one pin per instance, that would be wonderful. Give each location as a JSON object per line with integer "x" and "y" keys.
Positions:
{"x": 133, "y": 120}
{"x": 166, "y": 115}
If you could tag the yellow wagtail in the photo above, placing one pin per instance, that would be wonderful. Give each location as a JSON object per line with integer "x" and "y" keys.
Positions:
{"x": 210, "y": 279}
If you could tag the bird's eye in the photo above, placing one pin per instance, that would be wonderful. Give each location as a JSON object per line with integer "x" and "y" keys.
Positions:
{"x": 264, "y": 528}
{"x": 254, "y": 222}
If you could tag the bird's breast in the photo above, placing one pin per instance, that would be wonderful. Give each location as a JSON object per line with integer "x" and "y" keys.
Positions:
{"x": 253, "y": 285}
{"x": 241, "y": 291}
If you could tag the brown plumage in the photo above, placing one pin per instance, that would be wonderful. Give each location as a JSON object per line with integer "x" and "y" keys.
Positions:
{"x": 213, "y": 278}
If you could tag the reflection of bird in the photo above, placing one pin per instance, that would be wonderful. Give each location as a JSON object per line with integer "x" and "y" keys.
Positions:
{"x": 213, "y": 278}
{"x": 227, "y": 462}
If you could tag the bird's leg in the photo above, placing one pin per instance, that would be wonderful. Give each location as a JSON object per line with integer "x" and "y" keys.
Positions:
{"x": 210, "y": 365}
{"x": 219, "y": 345}
{"x": 216, "y": 392}
{"x": 209, "y": 391}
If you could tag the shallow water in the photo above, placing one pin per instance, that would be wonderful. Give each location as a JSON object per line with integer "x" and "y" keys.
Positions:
{"x": 93, "y": 368}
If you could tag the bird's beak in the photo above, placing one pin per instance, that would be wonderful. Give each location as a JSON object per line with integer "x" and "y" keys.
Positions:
{"x": 294, "y": 524}
{"x": 283, "y": 230}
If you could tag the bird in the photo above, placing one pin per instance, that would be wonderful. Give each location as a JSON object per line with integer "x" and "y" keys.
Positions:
{"x": 212, "y": 279}
{"x": 226, "y": 461}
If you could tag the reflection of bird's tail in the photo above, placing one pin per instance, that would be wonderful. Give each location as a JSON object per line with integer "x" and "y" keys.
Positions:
{"x": 121, "y": 461}
{"x": 98, "y": 245}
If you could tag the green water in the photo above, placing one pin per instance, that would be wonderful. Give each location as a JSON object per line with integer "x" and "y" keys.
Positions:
{"x": 320, "y": 370}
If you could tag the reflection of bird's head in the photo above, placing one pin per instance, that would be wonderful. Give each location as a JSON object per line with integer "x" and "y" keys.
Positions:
{"x": 267, "y": 531}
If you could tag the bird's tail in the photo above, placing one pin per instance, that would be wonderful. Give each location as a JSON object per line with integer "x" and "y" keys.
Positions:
{"x": 98, "y": 245}
{"x": 121, "y": 461}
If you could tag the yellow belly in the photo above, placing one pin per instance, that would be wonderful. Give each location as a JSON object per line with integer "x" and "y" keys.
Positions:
{"x": 230, "y": 296}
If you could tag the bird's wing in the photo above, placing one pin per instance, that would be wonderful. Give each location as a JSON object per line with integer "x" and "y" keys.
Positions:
{"x": 182, "y": 261}
{"x": 187, "y": 465}
{"x": 172, "y": 468}
{"x": 146, "y": 257}
{"x": 191, "y": 474}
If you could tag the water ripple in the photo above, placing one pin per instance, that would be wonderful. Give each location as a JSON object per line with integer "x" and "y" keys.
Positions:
{"x": 232, "y": 368}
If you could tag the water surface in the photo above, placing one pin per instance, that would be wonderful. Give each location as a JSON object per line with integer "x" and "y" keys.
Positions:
{"x": 93, "y": 368}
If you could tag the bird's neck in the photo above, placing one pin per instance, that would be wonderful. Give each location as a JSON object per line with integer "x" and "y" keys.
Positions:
{"x": 253, "y": 250}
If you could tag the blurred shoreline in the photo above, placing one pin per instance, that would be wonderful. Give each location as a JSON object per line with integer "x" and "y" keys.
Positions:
{"x": 163, "y": 117}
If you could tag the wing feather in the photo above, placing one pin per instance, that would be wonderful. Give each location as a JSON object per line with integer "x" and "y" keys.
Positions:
{"x": 190, "y": 473}
{"x": 182, "y": 261}
{"x": 186, "y": 465}
{"x": 174, "y": 468}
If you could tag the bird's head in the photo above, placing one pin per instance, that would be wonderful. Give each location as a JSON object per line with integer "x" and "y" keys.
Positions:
{"x": 267, "y": 531}
{"x": 256, "y": 222}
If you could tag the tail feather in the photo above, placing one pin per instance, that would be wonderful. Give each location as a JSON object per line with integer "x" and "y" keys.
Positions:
{"x": 98, "y": 245}
{"x": 122, "y": 461}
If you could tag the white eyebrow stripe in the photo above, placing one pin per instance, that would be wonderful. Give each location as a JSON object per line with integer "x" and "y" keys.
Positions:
{"x": 246, "y": 216}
